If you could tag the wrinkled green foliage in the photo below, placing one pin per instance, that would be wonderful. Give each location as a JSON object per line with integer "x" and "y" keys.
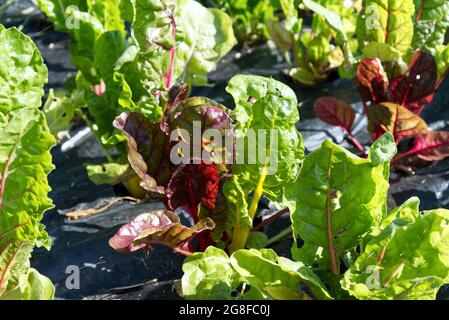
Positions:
{"x": 431, "y": 22}
{"x": 339, "y": 197}
{"x": 214, "y": 275}
{"x": 250, "y": 17}
{"x": 22, "y": 72}
{"x": 406, "y": 260}
{"x": 25, "y": 162}
{"x": 314, "y": 53}
{"x": 170, "y": 41}
{"x": 266, "y": 110}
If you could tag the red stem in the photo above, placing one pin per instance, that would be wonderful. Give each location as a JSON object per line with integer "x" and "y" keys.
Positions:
{"x": 418, "y": 15}
{"x": 171, "y": 67}
{"x": 355, "y": 142}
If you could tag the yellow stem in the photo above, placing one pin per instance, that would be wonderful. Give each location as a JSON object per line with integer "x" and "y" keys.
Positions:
{"x": 239, "y": 237}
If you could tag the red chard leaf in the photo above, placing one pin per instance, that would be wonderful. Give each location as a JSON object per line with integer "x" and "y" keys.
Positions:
{"x": 430, "y": 146}
{"x": 372, "y": 80}
{"x": 156, "y": 227}
{"x": 335, "y": 112}
{"x": 148, "y": 150}
{"x": 393, "y": 118}
{"x": 415, "y": 88}
{"x": 192, "y": 184}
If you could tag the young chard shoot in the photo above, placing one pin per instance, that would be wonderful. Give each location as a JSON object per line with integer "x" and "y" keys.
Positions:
{"x": 25, "y": 162}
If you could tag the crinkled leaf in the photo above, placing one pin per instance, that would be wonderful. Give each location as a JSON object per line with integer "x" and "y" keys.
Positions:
{"x": 407, "y": 260}
{"x": 25, "y": 162}
{"x": 22, "y": 72}
{"x": 269, "y": 109}
{"x": 191, "y": 120}
{"x": 442, "y": 59}
{"x": 14, "y": 265}
{"x": 34, "y": 286}
{"x": 431, "y": 24}
{"x": 148, "y": 150}
{"x": 156, "y": 227}
{"x": 372, "y": 80}
{"x": 382, "y": 51}
{"x": 208, "y": 275}
{"x": 192, "y": 184}
{"x": 208, "y": 36}
{"x": 335, "y": 112}
{"x": 246, "y": 90}
{"x": 395, "y": 119}
{"x": 339, "y": 199}
{"x": 236, "y": 198}
{"x": 387, "y": 21}
{"x": 213, "y": 275}
{"x": 277, "y": 277}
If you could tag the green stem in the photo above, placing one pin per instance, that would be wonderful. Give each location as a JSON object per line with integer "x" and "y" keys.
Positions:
{"x": 281, "y": 235}
{"x": 91, "y": 126}
{"x": 240, "y": 236}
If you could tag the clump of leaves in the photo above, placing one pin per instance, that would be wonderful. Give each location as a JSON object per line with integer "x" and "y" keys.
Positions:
{"x": 218, "y": 190}
{"x": 352, "y": 247}
{"x": 25, "y": 162}
{"x": 314, "y": 53}
{"x": 120, "y": 71}
{"x": 393, "y": 103}
{"x": 249, "y": 17}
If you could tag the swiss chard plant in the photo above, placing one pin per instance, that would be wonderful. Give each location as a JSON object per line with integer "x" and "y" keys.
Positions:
{"x": 347, "y": 244}
{"x": 25, "y": 162}
{"x": 132, "y": 71}
{"x": 222, "y": 194}
{"x": 313, "y": 53}
{"x": 400, "y": 67}
{"x": 250, "y": 17}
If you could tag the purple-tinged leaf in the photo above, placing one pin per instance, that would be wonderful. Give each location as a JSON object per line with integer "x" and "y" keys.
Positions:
{"x": 192, "y": 184}
{"x": 396, "y": 119}
{"x": 415, "y": 88}
{"x": 372, "y": 80}
{"x": 156, "y": 227}
{"x": 335, "y": 112}
{"x": 428, "y": 146}
{"x": 148, "y": 150}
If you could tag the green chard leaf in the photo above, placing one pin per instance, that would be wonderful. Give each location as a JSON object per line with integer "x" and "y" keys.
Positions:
{"x": 22, "y": 72}
{"x": 407, "y": 260}
{"x": 25, "y": 162}
{"x": 214, "y": 275}
{"x": 431, "y": 23}
{"x": 387, "y": 21}
{"x": 266, "y": 110}
{"x": 339, "y": 199}
{"x": 208, "y": 36}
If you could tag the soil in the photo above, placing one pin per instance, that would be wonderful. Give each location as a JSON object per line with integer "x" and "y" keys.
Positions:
{"x": 105, "y": 274}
